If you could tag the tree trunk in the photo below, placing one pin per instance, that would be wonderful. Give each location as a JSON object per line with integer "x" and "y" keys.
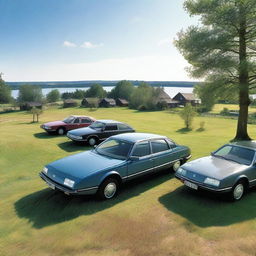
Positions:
{"x": 244, "y": 101}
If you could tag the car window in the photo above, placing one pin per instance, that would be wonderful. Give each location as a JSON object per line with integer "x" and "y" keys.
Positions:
{"x": 111, "y": 127}
{"x": 159, "y": 145}
{"x": 235, "y": 153}
{"x": 69, "y": 119}
{"x": 85, "y": 121}
{"x": 141, "y": 149}
{"x": 77, "y": 121}
{"x": 97, "y": 125}
{"x": 171, "y": 144}
{"x": 123, "y": 127}
{"x": 114, "y": 148}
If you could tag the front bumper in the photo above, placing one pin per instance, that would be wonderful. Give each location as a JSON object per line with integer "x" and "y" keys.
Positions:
{"x": 203, "y": 186}
{"x": 48, "y": 128}
{"x": 75, "y": 138}
{"x": 56, "y": 186}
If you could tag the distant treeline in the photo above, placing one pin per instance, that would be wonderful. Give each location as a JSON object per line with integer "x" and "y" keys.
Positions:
{"x": 82, "y": 84}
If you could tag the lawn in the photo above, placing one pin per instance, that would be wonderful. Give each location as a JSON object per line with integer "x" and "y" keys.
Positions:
{"x": 151, "y": 216}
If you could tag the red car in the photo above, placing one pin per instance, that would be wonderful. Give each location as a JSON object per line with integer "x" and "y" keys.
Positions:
{"x": 69, "y": 123}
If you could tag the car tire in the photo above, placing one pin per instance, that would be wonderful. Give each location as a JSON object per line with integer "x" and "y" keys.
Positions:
{"x": 61, "y": 131}
{"x": 176, "y": 165}
{"x": 238, "y": 191}
{"x": 108, "y": 189}
{"x": 92, "y": 141}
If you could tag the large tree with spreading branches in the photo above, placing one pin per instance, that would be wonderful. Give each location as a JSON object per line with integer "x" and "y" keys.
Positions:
{"x": 222, "y": 50}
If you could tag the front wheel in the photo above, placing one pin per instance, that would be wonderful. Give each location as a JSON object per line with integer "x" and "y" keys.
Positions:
{"x": 108, "y": 189}
{"x": 61, "y": 131}
{"x": 238, "y": 191}
{"x": 92, "y": 141}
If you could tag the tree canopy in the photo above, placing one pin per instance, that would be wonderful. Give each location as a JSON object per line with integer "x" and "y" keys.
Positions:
{"x": 28, "y": 92}
{"x": 222, "y": 50}
{"x": 96, "y": 90}
{"x": 53, "y": 96}
{"x": 5, "y": 92}
{"x": 123, "y": 89}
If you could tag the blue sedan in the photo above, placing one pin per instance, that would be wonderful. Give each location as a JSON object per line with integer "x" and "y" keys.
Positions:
{"x": 118, "y": 159}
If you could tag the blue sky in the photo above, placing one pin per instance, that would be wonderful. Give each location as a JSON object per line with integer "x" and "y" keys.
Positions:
{"x": 54, "y": 40}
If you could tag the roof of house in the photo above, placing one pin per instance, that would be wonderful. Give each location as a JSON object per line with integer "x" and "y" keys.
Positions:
{"x": 188, "y": 96}
{"x": 69, "y": 101}
{"x": 123, "y": 101}
{"x": 92, "y": 100}
{"x": 109, "y": 100}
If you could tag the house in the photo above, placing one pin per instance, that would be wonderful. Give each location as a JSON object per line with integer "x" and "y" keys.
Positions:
{"x": 90, "y": 102}
{"x": 107, "y": 102}
{"x": 69, "y": 103}
{"x": 122, "y": 102}
{"x": 164, "y": 99}
{"x": 30, "y": 105}
{"x": 185, "y": 98}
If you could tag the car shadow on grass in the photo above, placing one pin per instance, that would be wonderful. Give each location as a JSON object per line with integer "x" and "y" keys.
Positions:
{"x": 47, "y": 207}
{"x": 70, "y": 146}
{"x": 45, "y": 135}
{"x": 206, "y": 209}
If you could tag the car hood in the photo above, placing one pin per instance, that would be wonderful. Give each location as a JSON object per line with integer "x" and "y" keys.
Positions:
{"x": 80, "y": 165}
{"x": 55, "y": 123}
{"x": 83, "y": 131}
{"x": 214, "y": 167}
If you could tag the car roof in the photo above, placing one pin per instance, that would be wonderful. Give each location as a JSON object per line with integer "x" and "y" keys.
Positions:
{"x": 107, "y": 121}
{"x": 136, "y": 136}
{"x": 83, "y": 116}
{"x": 245, "y": 143}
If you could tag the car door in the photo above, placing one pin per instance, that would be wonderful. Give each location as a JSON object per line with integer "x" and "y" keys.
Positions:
{"x": 161, "y": 154}
{"x": 75, "y": 124}
{"x": 85, "y": 122}
{"x": 141, "y": 160}
{"x": 109, "y": 130}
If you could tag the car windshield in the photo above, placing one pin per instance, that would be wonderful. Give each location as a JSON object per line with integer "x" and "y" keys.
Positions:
{"x": 114, "y": 148}
{"x": 237, "y": 154}
{"x": 69, "y": 119}
{"x": 97, "y": 125}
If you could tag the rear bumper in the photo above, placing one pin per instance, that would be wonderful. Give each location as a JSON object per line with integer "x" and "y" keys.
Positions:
{"x": 56, "y": 186}
{"x": 203, "y": 186}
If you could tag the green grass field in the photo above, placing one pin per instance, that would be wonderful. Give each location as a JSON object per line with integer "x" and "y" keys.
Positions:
{"x": 151, "y": 216}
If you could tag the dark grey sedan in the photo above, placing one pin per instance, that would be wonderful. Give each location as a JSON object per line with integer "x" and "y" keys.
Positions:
{"x": 230, "y": 169}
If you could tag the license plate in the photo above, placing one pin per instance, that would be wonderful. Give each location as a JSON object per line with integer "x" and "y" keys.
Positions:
{"x": 190, "y": 185}
{"x": 51, "y": 186}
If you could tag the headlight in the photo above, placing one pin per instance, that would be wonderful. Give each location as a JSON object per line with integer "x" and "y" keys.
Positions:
{"x": 69, "y": 183}
{"x": 212, "y": 182}
{"x": 45, "y": 170}
{"x": 182, "y": 171}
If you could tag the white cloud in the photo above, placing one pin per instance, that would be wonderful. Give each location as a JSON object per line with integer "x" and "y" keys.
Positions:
{"x": 164, "y": 42}
{"x": 69, "y": 44}
{"x": 90, "y": 45}
{"x": 158, "y": 68}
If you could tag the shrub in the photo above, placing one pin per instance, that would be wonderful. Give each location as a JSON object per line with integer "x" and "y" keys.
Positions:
{"x": 224, "y": 112}
{"x": 187, "y": 114}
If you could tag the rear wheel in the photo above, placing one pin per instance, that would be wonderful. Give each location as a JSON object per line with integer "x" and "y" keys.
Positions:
{"x": 61, "y": 131}
{"x": 176, "y": 165}
{"x": 92, "y": 141}
{"x": 108, "y": 189}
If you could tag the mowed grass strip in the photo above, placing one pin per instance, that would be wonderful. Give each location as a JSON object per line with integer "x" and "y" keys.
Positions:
{"x": 151, "y": 216}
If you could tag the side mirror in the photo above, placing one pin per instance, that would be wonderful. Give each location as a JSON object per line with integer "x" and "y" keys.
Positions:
{"x": 95, "y": 146}
{"x": 134, "y": 158}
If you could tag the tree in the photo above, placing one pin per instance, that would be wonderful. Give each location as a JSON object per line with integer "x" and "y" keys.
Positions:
{"x": 123, "y": 90}
{"x": 144, "y": 97}
{"x": 5, "y": 91}
{"x": 96, "y": 90}
{"x": 36, "y": 112}
{"x": 223, "y": 49}
{"x": 187, "y": 114}
{"x": 53, "y": 96}
{"x": 28, "y": 92}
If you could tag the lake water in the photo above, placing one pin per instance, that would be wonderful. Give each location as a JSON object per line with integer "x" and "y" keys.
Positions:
{"x": 171, "y": 91}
